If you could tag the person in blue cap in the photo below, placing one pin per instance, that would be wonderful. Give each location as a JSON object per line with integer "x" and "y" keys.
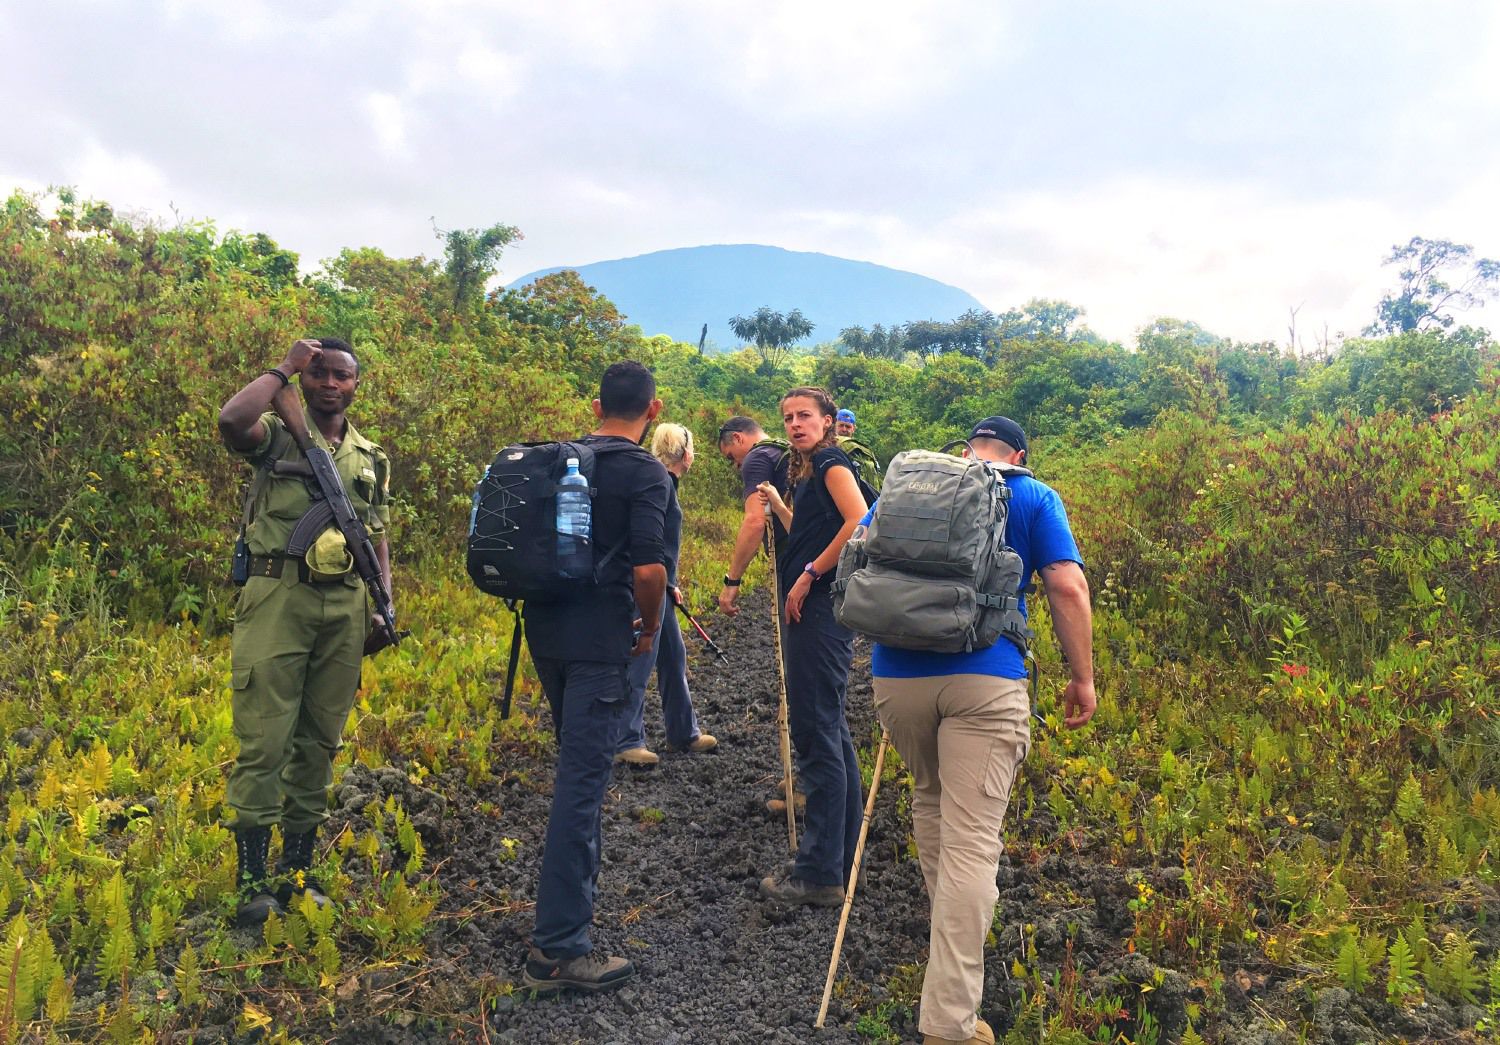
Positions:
{"x": 863, "y": 457}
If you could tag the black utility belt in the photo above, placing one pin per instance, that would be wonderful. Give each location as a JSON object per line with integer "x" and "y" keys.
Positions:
{"x": 273, "y": 565}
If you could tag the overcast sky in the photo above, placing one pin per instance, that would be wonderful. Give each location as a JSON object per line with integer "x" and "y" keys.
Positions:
{"x": 1209, "y": 161}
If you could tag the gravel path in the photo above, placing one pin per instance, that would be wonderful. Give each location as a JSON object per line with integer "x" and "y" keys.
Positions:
{"x": 686, "y": 843}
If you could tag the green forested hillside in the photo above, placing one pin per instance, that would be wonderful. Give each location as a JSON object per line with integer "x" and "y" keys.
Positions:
{"x": 1295, "y": 563}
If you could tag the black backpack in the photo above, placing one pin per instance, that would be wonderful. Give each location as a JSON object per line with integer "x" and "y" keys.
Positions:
{"x": 513, "y": 521}
{"x": 512, "y": 544}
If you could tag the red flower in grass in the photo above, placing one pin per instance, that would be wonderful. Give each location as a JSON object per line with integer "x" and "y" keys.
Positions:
{"x": 1296, "y": 671}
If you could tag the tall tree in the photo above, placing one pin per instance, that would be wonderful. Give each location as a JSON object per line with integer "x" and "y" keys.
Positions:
{"x": 771, "y": 332}
{"x": 1436, "y": 275}
{"x": 856, "y": 340}
{"x": 471, "y": 257}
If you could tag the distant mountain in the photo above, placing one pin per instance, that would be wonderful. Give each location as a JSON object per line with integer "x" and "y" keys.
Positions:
{"x": 675, "y": 292}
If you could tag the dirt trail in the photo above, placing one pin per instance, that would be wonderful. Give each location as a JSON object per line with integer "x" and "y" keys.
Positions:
{"x": 686, "y": 844}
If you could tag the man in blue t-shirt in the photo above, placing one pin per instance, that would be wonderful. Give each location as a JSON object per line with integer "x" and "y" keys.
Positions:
{"x": 961, "y": 722}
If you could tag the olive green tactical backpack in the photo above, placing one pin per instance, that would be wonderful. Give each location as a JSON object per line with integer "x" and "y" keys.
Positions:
{"x": 864, "y": 457}
{"x": 932, "y": 571}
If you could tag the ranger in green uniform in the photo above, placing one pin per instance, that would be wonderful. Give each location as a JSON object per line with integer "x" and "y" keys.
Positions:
{"x": 302, "y": 617}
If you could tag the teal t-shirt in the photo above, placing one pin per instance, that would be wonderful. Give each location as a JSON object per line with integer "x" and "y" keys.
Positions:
{"x": 1038, "y": 530}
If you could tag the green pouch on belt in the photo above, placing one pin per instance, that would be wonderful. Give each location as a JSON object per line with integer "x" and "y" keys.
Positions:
{"x": 328, "y": 559}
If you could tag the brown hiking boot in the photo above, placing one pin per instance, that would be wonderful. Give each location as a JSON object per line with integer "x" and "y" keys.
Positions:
{"x": 776, "y": 806}
{"x": 592, "y": 972}
{"x": 638, "y": 757}
{"x": 982, "y": 1035}
{"x": 783, "y": 888}
{"x": 702, "y": 742}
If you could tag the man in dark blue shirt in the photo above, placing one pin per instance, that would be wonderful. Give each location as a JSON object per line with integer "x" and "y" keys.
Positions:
{"x": 744, "y": 444}
{"x": 581, "y": 649}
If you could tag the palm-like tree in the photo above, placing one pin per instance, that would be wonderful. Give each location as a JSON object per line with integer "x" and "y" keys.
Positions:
{"x": 771, "y": 332}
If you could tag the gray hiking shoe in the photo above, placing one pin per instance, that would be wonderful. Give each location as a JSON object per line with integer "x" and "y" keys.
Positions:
{"x": 783, "y": 888}
{"x": 588, "y": 972}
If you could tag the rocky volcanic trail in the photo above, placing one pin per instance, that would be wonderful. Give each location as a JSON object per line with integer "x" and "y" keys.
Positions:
{"x": 686, "y": 844}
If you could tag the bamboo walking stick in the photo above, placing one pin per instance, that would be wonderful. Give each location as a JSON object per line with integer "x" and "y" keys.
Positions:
{"x": 783, "y": 723}
{"x": 859, "y": 852}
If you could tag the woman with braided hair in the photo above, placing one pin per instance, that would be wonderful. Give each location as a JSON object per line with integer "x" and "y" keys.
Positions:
{"x": 817, "y": 649}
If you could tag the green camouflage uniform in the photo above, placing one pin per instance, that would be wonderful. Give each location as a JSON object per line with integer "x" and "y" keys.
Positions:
{"x": 297, "y": 644}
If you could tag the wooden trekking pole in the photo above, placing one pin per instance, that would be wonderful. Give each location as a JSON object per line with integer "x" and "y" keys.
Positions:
{"x": 783, "y": 723}
{"x": 859, "y": 852}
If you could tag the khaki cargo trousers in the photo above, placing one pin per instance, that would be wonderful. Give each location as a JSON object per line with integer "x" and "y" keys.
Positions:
{"x": 962, "y": 737}
{"x": 295, "y": 669}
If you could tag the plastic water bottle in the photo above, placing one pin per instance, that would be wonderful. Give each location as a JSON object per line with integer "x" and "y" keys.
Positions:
{"x": 575, "y": 552}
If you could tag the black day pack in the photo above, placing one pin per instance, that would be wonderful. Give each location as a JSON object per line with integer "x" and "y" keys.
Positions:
{"x": 512, "y": 550}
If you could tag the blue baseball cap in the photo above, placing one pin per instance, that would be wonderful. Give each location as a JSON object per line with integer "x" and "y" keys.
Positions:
{"x": 845, "y": 415}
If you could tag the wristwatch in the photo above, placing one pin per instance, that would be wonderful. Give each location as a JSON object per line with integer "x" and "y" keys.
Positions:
{"x": 812, "y": 571}
{"x": 732, "y": 582}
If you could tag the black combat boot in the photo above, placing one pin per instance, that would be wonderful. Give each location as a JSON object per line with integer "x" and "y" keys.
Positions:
{"x": 295, "y": 865}
{"x": 256, "y": 902}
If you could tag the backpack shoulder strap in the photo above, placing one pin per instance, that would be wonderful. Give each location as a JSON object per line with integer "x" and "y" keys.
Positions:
{"x": 611, "y": 447}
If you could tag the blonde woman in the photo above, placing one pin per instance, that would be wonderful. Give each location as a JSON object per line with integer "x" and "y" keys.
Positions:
{"x": 673, "y": 447}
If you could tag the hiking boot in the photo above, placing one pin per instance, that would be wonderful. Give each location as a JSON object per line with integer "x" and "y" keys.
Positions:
{"x": 783, "y": 888}
{"x": 777, "y": 806}
{"x": 251, "y": 844}
{"x": 982, "y": 1035}
{"x": 637, "y": 756}
{"x": 702, "y": 742}
{"x": 295, "y": 863}
{"x": 588, "y": 972}
{"x": 789, "y": 870}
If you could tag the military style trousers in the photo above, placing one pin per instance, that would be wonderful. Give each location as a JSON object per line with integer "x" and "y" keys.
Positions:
{"x": 295, "y": 668}
{"x": 962, "y": 737}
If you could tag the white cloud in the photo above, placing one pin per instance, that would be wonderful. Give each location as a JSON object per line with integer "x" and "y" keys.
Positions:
{"x": 1232, "y": 257}
{"x": 243, "y": 21}
{"x": 123, "y": 178}
{"x": 387, "y": 118}
{"x": 1012, "y": 150}
{"x": 494, "y": 75}
{"x": 862, "y": 59}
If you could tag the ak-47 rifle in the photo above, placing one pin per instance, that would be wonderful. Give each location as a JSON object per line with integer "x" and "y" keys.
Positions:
{"x": 333, "y": 506}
